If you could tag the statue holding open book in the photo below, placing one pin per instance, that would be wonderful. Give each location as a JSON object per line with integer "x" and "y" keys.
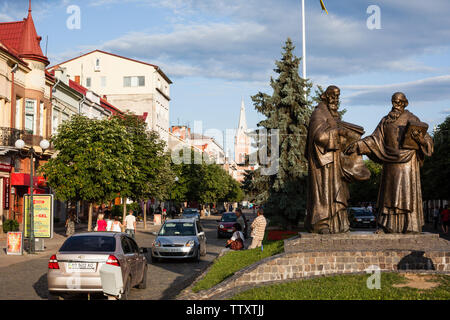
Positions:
{"x": 400, "y": 143}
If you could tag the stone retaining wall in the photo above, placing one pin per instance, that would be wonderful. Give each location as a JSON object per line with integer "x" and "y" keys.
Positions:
{"x": 300, "y": 265}
{"x": 312, "y": 255}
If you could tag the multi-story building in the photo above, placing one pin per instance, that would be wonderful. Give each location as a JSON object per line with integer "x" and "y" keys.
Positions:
{"x": 129, "y": 84}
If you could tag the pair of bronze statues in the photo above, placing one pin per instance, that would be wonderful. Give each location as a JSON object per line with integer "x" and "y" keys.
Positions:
{"x": 334, "y": 151}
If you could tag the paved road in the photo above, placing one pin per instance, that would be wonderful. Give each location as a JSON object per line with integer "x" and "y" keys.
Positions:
{"x": 28, "y": 280}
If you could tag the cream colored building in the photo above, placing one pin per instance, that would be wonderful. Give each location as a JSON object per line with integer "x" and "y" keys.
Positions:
{"x": 128, "y": 84}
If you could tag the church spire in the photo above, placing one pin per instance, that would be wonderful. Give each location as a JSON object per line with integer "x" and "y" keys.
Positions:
{"x": 242, "y": 121}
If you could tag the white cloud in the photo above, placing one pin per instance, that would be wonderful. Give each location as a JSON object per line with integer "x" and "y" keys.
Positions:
{"x": 424, "y": 90}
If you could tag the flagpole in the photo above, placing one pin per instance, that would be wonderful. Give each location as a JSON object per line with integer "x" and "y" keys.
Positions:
{"x": 304, "y": 39}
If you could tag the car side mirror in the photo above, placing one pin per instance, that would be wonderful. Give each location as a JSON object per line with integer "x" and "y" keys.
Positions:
{"x": 143, "y": 250}
{"x": 154, "y": 233}
{"x": 201, "y": 233}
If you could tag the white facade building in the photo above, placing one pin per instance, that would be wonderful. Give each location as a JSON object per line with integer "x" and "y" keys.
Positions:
{"x": 128, "y": 84}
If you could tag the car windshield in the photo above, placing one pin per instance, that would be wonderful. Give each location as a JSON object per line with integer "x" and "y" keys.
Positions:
{"x": 190, "y": 211}
{"x": 178, "y": 229}
{"x": 89, "y": 244}
{"x": 361, "y": 212}
{"x": 228, "y": 217}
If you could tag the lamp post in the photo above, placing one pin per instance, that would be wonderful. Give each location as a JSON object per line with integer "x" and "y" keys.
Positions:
{"x": 20, "y": 144}
{"x": 171, "y": 192}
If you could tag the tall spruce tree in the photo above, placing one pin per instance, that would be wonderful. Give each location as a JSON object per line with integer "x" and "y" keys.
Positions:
{"x": 288, "y": 110}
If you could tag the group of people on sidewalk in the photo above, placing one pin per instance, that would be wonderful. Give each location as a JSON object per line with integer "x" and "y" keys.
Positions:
{"x": 258, "y": 227}
{"x": 105, "y": 223}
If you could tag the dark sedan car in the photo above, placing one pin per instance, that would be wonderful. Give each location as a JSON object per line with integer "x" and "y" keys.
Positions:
{"x": 361, "y": 217}
{"x": 225, "y": 226}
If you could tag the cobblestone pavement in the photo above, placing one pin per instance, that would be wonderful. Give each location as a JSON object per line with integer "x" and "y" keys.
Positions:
{"x": 25, "y": 277}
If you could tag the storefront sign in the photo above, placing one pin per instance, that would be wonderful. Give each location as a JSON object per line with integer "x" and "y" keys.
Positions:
{"x": 14, "y": 242}
{"x": 6, "y": 187}
{"x": 43, "y": 215}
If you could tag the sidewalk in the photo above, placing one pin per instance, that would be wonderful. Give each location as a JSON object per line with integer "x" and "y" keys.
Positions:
{"x": 52, "y": 245}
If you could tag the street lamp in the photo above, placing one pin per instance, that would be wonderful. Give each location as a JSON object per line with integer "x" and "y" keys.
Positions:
{"x": 171, "y": 195}
{"x": 20, "y": 144}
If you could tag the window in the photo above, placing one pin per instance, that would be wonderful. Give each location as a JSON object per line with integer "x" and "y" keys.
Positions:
{"x": 55, "y": 120}
{"x": 103, "y": 81}
{"x": 88, "y": 82}
{"x": 30, "y": 114}
{"x": 41, "y": 119}
{"x": 18, "y": 113}
{"x": 89, "y": 244}
{"x": 126, "y": 247}
{"x": 134, "y": 81}
{"x": 97, "y": 62}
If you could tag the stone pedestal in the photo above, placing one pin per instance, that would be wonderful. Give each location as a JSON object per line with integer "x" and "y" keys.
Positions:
{"x": 361, "y": 241}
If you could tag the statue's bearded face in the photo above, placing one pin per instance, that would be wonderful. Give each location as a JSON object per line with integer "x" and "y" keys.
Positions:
{"x": 398, "y": 106}
{"x": 333, "y": 101}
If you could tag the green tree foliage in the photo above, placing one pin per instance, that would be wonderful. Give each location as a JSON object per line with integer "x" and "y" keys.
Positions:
{"x": 150, "y": 162}
{"x": 435, "y": 173}
{"x": 94, "y": 160}
{"x": 288, "y": 111}
{"x": 204, "y": 182}
{"x": 366, "y": 191}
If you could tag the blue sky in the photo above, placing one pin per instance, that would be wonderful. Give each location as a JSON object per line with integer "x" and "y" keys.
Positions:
{"x": 218, "y": 52}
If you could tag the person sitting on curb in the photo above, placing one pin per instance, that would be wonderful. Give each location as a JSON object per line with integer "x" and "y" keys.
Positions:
{"x": 236, "y": 242}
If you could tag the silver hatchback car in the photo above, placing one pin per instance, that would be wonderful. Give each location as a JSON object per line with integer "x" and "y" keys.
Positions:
{"x": 179, "y": 239}
{"x": 75, "y": 268}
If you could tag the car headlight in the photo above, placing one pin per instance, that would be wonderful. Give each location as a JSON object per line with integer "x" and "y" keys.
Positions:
{"x": 156, "y": 244}
{"x": 359, "y": 220}
{"x": 190, "y": 243}
{"x": 221, "y": 226}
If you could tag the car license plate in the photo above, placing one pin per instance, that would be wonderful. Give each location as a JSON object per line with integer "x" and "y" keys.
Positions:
{"x": 230, "y": 230}
{"x": 366, "y": 221}
{"x": 81, "y": 266}
{"x": 172, "y": 250}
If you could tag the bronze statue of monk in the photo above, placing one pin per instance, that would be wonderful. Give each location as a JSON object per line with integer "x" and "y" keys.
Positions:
{"x": 329, "y": 169}
{"x": 400, "y": 142}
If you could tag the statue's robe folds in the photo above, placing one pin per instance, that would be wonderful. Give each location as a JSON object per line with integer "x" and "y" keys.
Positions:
{"x": 400, "y": 197}
{"x": 327, "y": 192}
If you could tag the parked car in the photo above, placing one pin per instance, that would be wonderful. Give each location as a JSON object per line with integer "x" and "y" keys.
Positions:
{"x": 225, "y": 225}
{"x": 361, "y": 217}
{"x": 75, "y": 268}
{"x": 179, "y": 239}
{"x": 190, "y": 213}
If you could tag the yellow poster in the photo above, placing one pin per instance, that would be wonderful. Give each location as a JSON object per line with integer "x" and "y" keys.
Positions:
{"x": 14, "y": 243}
{"x": 43, "y": 215}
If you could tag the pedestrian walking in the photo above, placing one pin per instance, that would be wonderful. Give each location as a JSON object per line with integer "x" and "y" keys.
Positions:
{"x": 436, "y": 218}
{"x": 130, "y": 224}
{"x": 101, "y": 223}
{"x": 109, "y": 221}
{"x": 70, "y": 224}
{"x": 445, "y": 218}
{"x": 116, "y": 226}
{"x": 258, "y": 228}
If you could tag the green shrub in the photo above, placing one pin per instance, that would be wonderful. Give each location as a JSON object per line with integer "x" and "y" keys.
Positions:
{"x": 10, "y": 226}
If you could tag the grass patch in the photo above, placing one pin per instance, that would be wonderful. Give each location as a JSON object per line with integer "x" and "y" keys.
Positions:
{"x": 348, "y": 287}
{"x": 234, "y": 261}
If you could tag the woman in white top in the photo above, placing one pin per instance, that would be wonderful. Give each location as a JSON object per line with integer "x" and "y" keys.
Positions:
{"x": 116, "y": 226}
{"x": 236, "y": 235}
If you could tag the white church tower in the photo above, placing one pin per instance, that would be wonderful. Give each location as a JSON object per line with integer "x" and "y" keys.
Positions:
{"x": 241, "y": 140}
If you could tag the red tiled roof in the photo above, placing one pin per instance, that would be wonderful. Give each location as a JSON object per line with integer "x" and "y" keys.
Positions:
{"x": 21, "y": 38}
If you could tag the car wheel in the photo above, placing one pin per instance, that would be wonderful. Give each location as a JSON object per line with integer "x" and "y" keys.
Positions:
{"x": 127, "y": 289}
{"x": 197, "y": 256}
{"x": 143, "y": 283}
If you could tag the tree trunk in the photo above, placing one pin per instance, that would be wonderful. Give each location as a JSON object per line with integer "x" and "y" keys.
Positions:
{"x": 145, "y": 214}
{"x": 124, "y": 200}
{"x": 91, "y": 205}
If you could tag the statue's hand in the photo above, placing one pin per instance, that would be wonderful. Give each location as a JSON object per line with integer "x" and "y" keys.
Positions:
{"x": 352, "y": 148}
{"x": 418, "y": 137}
